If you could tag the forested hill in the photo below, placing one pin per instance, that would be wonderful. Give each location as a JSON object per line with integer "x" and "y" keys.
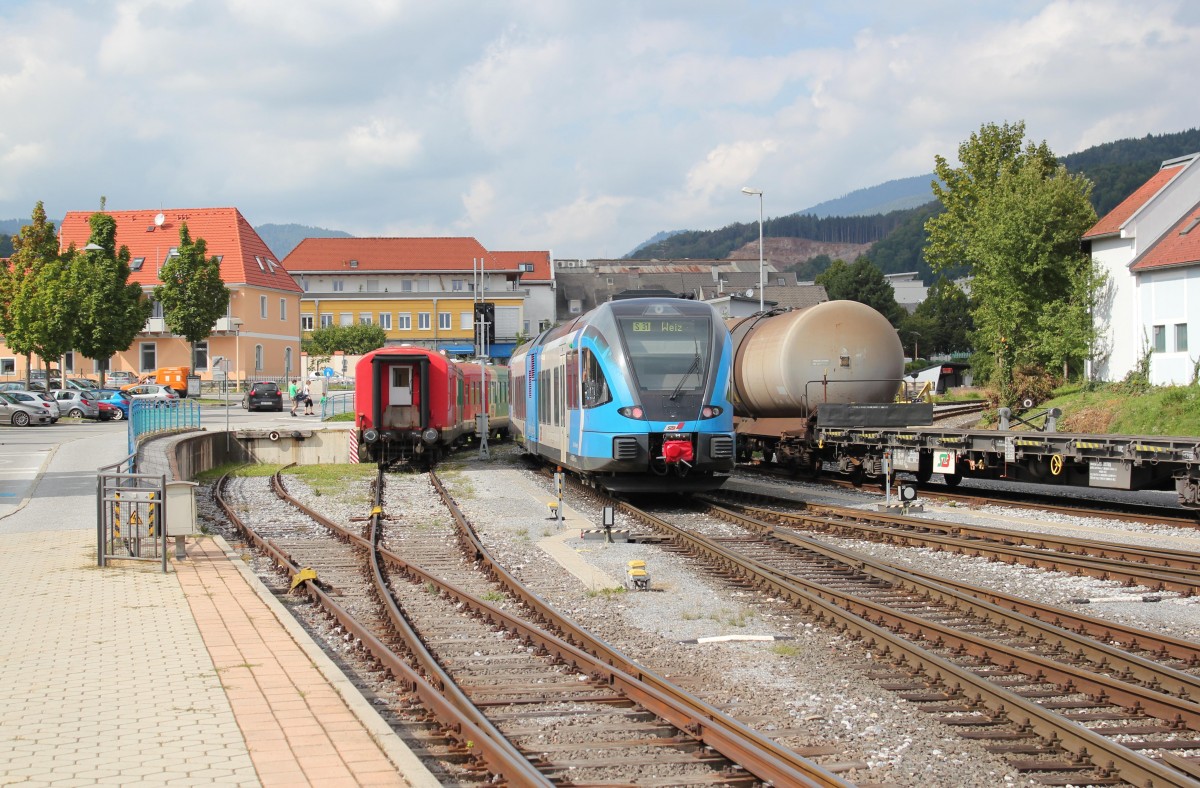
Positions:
{"x": 1115, "y": 168}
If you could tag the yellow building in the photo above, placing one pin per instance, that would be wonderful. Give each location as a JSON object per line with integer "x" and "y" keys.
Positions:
{"x": 420, "y": 291}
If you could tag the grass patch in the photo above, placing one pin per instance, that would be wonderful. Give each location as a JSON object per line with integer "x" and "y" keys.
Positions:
{"x": 493, "y": 596}
{"x": 605, "y": 593}
{"x": 784, "y": 650}
{"x": 348, "y": 416}
{"x": 336, "y": 480}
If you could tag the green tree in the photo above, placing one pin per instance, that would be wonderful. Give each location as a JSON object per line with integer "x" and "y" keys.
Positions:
{"x": 353, "y": 340}
{"x": 1014, "y": 216}
{"x": 112, "y": 310}
{"x": 192, "y": 292}
{"x": 943, "y": 319}
{"x": 39, "y": 297}
{"x": 861, "y": 281}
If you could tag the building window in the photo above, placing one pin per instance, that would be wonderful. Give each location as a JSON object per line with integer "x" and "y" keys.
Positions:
{"x": 365, "y": 318}
{"x": 283, "y": 309}
{"x": 406, "y": 286}
{"x": 443, "y": 321}
{"x": 575, "y": 306}
{"x": 306, "y": 322}
{"x": 98, "y": 365}
{"x": 422, "y": 321}
{"x": 258, "y": 358}
{"x": 524, "y": 328}
{"x": 468, "y": 321}
{"x": 1181, "y": 337}
{"x": 456, "y": 285}
{"x": 1160, "y": 339}
{"x": 404, "y": 321}
{"x": 149, "y": 356}
{"x": 156, "y": 310}
{"x": 385, "y": 321}
{"x": 287, "y": 361}
{"x": 69, "y": 361}
{"x": 338, "y": 285}
{"x": 262, "y": 306}
{"x": 201, "y": 355}
{"x": 8, "y": 366}
{"x": 346, "y": 319}
{"x": 326, "y": 319}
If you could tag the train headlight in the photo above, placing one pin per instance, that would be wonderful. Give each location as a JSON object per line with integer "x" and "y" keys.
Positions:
{"x": 370, "y": 436}
{"x": 711, "y": 411}
{"x": 632, "y": 412}
{"x": 430, "y": 435}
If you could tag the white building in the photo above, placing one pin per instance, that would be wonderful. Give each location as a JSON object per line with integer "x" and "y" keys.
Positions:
{"x": 1151, "y": 255}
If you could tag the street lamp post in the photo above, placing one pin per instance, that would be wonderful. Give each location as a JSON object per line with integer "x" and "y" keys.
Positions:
{"x": 237, "y": 348}
{"x": 761, "y": 282}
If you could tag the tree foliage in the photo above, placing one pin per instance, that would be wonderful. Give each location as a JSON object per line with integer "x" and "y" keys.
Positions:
{"x": 861, "y": 281}
{"x": 942, "y": 321}
{"x": 39, "y": 293}
{"x": 112, "y": 310}
{"x": 192, "y": 292}
{"x": 353, "y": 340}
{"x": 1014, "y": 216}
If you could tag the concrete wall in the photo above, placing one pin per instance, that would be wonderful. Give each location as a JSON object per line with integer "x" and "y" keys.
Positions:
{"x": 206, "y": 450}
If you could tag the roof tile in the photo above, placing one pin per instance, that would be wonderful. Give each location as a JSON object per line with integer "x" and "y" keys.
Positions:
{"x": 1112, "y": 222}
{"x": 245, "y": 257}
{"x": 1178, "y": 246}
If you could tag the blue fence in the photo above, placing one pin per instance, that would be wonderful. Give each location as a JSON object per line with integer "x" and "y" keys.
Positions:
{"x": 146, "y": 417}
{"x": 336, "y": 402}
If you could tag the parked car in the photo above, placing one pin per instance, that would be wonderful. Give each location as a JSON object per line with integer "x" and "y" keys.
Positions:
{"x": 77, "y": 404}
{"x": 38, "y": 399}
{"x": 119, "y": 400}
{"x": 18, "y": 413}
{"x": 119, "y": 378}
{"x": 263, "y": 395}
{"x": 107, "y": 411}
{"x": 153, "y": 392}
{"x": 82, "y": 384}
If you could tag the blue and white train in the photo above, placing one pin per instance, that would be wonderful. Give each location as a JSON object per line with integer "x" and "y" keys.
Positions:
{"x": 632, "y": 396}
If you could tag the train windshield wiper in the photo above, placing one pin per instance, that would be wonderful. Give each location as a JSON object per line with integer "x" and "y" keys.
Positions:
{"x": 695, "y": 367}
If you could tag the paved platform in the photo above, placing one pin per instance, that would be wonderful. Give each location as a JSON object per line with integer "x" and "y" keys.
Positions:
{"x": 129, "y": 676}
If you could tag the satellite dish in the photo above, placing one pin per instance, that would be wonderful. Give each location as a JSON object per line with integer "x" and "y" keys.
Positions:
{"x": 159, "y": 219}
{"x": 750, "y": 293}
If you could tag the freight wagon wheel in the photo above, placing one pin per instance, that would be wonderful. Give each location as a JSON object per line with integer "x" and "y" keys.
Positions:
{"x": 952, "y": 479}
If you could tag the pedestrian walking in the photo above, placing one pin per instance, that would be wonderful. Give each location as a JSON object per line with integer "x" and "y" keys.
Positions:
{"x": 307, "y": 398}
{"x": 294, "y": 394}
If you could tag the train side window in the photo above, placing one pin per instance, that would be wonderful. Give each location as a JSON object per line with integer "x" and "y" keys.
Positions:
{"x": 573, "y": 380}
{"x": 595, "y": 386}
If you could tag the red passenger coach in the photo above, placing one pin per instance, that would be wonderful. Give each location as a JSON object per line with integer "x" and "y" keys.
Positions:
{"x": 414, "y": 404}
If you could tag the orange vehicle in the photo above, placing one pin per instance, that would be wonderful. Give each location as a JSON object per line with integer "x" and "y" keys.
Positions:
{"x": 175, "y": 377}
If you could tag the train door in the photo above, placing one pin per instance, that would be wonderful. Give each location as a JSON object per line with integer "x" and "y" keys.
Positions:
{"x": 402, "y": 410}
{"x": 552, "y": 416}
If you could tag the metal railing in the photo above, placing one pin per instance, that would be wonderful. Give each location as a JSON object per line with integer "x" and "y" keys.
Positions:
{"x": 336, "y": 402}
{"x": 130, "y": 519}
{"x": 146, "y": 417}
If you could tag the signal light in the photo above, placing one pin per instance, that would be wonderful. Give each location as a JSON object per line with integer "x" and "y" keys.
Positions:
{"x": 711, "y": 411}
{"x": 632, "y": 412}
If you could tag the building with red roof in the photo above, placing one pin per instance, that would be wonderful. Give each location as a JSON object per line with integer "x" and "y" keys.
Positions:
{"x": 260, "y": 332}
{"x": 422, "y": 291}
{"x": 1149, "y": 247}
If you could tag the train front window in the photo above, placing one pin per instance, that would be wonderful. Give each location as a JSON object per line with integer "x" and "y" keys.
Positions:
{"x": 668, "y": 353}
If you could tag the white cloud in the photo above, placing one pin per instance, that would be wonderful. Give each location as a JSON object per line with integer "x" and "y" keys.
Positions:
{"x": 577, "y": 127}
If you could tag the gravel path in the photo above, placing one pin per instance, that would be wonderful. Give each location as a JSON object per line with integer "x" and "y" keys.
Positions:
{"x": 807, "y": 687}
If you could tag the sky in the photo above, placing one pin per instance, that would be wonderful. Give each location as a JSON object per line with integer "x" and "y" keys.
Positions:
{"x": 578, "y": 127}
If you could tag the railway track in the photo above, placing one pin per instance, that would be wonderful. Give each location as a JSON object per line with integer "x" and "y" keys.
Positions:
{"x": 1065, "y": 707}
{"x": 1122, "y": 511}
{"x": 1155, "y": 568}
{"x": 529, "y": 706}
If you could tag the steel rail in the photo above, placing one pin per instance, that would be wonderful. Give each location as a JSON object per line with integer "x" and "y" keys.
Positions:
{"x": 1084, "y": 743}
{"x": 760, "y": 757}
{"x": 472, "y": 739}
{"x": 853, "y": 522}
{"x": 1168, "y": 680}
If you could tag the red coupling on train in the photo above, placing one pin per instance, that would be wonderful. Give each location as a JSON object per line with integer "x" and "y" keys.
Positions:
{"x": 678, "y": 451}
